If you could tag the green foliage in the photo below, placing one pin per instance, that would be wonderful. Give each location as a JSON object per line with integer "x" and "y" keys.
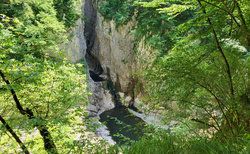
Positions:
{"x": 158, "y": 29}
{"x": 158, "y": 140}
{"x": 43, "y": 22}
{"x": 153, "y": 27}
{"x": 170, "y": 144}
{"x": 48, "y": 85}
{"x": 203, "y": 77}
{"x": 52, "y": 90}
{"x": 68, "y": 11}
{"x": 120, "y": 11}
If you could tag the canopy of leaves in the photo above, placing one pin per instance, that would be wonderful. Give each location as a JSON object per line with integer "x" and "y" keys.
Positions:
{"x": 38, "y": 93}
{"x": 67, "y": 11}
{"x": 204, "y": 76}
{"x": 201, "y": 71}
{"x": 120, "y": 11}
{"x": 43, "y": 26}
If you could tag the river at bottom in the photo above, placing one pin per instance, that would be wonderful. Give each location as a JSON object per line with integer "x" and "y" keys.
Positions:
{"x": 121, "y": 123}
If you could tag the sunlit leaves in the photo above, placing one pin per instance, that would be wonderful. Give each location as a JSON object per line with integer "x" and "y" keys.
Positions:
{"x": 120, "y": 11}
{"x": 53, "y": 89}
{"x": 175, "y": 9}
{"x": 154, "y": 3}
{"x": 68, "y": 11}
{"x": 193, "y": 75}
{"x": 41, "y": 31}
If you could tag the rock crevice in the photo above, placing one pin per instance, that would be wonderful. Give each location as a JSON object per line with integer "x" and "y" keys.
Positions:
{"x": 110, "y": 57}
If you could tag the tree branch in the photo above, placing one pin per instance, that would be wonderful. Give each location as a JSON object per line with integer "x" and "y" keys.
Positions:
{"x": 221, "y": 51}
{"x": 233, "y": 17}
{"x": 227, "y": 10}
{"x": 202, "y": 122}
{"x": 218, "y": 101}
{"x": 18, "y": 104}
{"x": 14, "y": 135}
{"x": 215, "y": 6}
{"x": 225, "y": 60}
{"x": 49, "y": 145}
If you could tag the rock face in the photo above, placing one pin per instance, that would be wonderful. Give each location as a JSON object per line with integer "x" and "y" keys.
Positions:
{"x": 110, "y": 57}
{"x": 108, "y": 51}
{"x": 75, "y": 49}
{"x": 114, "y": 49}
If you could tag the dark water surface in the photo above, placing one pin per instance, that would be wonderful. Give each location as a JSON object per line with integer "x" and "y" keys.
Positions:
{"x": 120, "y": 121}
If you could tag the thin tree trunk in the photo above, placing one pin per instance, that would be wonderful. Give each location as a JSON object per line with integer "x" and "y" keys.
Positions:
{"x": 47, "y": 139}
{"x": 228, "y": 70}
{"x": 221, "y": 51}
{"x": 219, "y": 103}
{"x": 49, "y": 145}
{"x": 243, "y": 21}
{"x": 242, "y": 27}
{"x": 14, "y": 135}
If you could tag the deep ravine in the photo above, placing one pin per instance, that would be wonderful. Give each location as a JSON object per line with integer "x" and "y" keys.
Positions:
{"x": 105, "y": 101}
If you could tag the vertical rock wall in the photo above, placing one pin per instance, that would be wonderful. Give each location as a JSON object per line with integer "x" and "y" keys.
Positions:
{"x": 111, "y": 58}
{"x": 108, "y": 51}
{"x": 101, "y": 99}
{"x": 75, "y": 49}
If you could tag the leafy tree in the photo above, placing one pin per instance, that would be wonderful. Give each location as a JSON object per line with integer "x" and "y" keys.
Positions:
{"x": 204, "y": 76}
{"x": 42, "y": 30}
{"x": 67, "y": 11}
{"x": 35, "y": 93}
{"x": 121, "y": 11}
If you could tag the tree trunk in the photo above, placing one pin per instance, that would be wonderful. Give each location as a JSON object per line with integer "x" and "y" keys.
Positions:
{"x": 228, "y": 70}
{"x": 49, "y": 145}
{"x": 14, "y": 135}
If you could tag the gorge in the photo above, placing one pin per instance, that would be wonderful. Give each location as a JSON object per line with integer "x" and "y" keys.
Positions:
{"x": 105, "y": 49}
{"x": 74, "y": 73}
{"x": 112, "y": 60}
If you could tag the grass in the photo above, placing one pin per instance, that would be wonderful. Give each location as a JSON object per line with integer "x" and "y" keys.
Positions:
{"x": 176, "y": 145}
{"x": 165, "y": 142}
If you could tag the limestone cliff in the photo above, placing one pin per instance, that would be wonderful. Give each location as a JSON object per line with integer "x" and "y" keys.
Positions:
{"x": 108, "y": 51}
{"x": 75, "y": 49}
{"x": 110, "y": 57}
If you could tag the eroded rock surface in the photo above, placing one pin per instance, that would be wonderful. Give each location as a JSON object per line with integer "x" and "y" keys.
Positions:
{"x": 110, "y": 57}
